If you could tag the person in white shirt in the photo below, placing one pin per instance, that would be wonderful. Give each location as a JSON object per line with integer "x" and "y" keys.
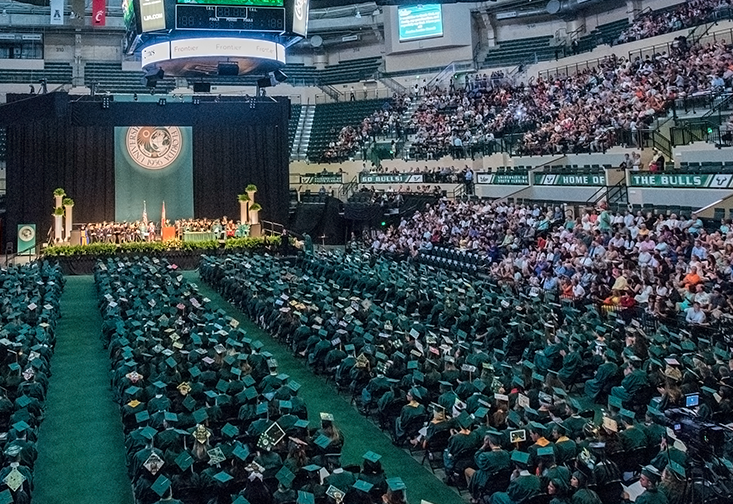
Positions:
{"x": 695, "y": 315}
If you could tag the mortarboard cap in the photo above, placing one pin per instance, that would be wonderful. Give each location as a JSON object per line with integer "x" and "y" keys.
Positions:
{"x": 371, "y": 456}
{"x": 161, "y": 485}
{"x": 396, "y": 484}
{"x": 545, "y": 451}
{"x": 285, "y": 476}
{"x": 363, "y": 486}
{"x": 241, "y": 452}
{"x": 184, "y": 460}
{"x": 223, "y": 477}
{"x": 520, "y": 457}
{"x": 305, "y": 498}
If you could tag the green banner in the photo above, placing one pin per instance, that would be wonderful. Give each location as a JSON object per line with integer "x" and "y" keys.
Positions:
{"x": 153, "y": 166}
{"x": 569, "y": 179}
{"x": 503, "y": 178}
{"x": 710, "y": 180}
{"x": 322, "y": 179}
{"x": 393, "y": 178}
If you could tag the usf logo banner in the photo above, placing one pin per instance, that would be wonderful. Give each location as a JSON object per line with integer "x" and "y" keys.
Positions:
{"x": 153, "y": 165}
{"x": 709, "y": 181}
{"x": 322, "y": 179}
{"x": 503, "y": 178}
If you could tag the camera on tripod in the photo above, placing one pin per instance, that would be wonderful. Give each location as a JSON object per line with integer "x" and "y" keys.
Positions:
{"x": 700, "y": 437}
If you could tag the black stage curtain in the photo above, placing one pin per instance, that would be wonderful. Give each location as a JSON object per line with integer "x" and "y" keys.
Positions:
{"x": 49, "y": 154}
{"x": 71, "y": 145}
{"x": 228, "y": 158}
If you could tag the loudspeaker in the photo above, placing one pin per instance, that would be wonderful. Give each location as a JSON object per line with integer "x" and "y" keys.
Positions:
{"x": 202, "y": 87}
{"x": 75, "y": 237}
{"x": 228, "y": 69}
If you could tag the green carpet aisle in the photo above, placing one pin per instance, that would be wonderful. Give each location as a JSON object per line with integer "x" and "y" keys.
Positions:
{"x": 360, "y": 434}
{"x": 81, "y": 454}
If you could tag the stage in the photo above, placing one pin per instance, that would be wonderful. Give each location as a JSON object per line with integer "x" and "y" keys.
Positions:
{"x": 110, "y": 156}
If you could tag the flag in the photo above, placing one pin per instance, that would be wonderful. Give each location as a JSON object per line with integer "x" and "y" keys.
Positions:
{"x": 99, "y": 12}
{"x": 57, "y": 12}
{"x": 145, "y": 214}
{"x": 162, "y": 218}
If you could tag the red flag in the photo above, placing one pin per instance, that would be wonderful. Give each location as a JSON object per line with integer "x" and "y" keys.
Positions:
{"x": 99, "y": 12}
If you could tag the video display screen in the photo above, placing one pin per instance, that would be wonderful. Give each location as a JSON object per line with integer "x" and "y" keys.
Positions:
{"x": 420, "y": 21}
{"x": 246, "y": 3}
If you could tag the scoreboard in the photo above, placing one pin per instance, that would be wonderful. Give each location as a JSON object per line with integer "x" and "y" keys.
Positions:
{"x": 209, "y": 37}
{"x": 230, "y": 17}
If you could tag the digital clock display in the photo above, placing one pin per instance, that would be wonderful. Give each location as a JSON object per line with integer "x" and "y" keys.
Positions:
{"x": 229, "y": 18}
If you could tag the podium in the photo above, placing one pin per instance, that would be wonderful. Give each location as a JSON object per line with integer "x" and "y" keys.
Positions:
{"x": 168, "y": 233}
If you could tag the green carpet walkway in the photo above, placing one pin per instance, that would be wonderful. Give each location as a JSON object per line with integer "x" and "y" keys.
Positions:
{"x": 359, "y": 433}
{"x": 81, "y": 454}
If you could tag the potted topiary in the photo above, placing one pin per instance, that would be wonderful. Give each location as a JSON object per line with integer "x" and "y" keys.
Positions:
{"x": 68, "y": 205}
{"x": 243, "y": 205}
{"x": 251, "y": 190}
{"x": 58, "y": 196}
{"x": 58, "y": 214}
{"x": 254, "y": 213}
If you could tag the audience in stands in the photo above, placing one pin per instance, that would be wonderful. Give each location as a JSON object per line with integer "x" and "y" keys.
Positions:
{"x": 586, "y": 112}
{"x": 684, "y": 15}
{"x": 664, "y": 263}
{"x": 384, "y": 123}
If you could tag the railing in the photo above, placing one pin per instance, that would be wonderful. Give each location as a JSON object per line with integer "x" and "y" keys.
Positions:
{"x": 34, "y": 250}
{"x": 331, "y": 91}
{"x": 359, "y": 95}
{"x": 695, "y": 131}
{"x": 270, "y": 228}
{"x": 655, "y": 139}
{"x": 349, "y": 188}
{"x": 449, "y": 71}
{"x": 392, "y": 84}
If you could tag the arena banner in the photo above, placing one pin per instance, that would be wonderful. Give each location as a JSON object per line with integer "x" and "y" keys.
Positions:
{"x": 709, "y": 180}
{"x": 153, "y": 165}
{"x": 324, "y": 179}
{"x": 502, "y": 178}
{"x": 57, "y": 12}
{"x": 391, "y": 178}
{"x": 556, "y": 179}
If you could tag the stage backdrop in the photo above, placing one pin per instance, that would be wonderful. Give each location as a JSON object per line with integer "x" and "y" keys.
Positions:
{"x": 153, "y": 165}
{"x": 59, "y": 141}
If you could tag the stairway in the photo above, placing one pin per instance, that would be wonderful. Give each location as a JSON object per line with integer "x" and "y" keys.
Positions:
{"x": 299, "y": 149}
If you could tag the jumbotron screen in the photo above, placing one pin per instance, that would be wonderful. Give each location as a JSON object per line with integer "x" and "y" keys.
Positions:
{"x": 245, "y": 3}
